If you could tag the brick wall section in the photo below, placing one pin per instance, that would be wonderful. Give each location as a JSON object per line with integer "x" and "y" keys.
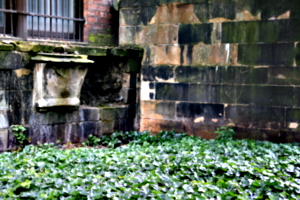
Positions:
{"x": 218, "y": 62}
{"x": 98, "y": 28}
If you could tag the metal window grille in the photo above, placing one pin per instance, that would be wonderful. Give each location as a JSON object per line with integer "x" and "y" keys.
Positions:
{"x": 42, "y": 19}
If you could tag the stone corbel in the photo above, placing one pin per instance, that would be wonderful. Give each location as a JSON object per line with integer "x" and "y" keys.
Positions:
{"x": 58, "y": 79}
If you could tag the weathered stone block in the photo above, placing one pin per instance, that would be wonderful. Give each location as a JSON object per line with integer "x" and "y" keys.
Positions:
{"x": 10, "y": 60}
{"x": 147, "y": 12}
{"x": 107, "y": 127}
{"x": 5, "y": 76}
{"x": 195, "y": 33}
{"x": 189, "y": 74}
{"x": 127, "y": 35}
{"x": 156, "y": 125}
{"x": 277, "y": 136}
{"x": 130, "y": 16}
{"x": 167, "y": 91}
{"x": 129, "y": 3}
{"x": 166, "y": 34}
{"x": 41, "y": 134}
{"x": 149, "y": 3}
{"x": 148, "y": 73}
{"x": 216, "y": 9}
{"x": 175, "y": 13}
{"x": 4, "y": 122}
{"x": 157, "y": 110}
{"x": 215, "y": 54}
{"x": 257, "y": 95}
{"x": 164, "y": 73}
{"x": 279, "y": 75}
{"x": 122, "y": 111}
{"x": 3, "y": 100}
{"x": 90, "y": 128}
{"x": 204, "y": 93}
{"x": 266, "y": 54}
{"x": 146, "y": 34}
{"x": 208, "y": 113}
{"x": 293, "y": 118}
{"x": 270, "y": 31}
{"x": 298, "y": 54}
{"x": 107, "y": 113}
{"x": 26, "y": 99}
{"x": 3, "y": 139}
{"x": 167, "y": 55}
{"x": 272, "y": 95}
{"x": 256, "y": 116}
{"x": 296, "y": 97}
{"x": 88, "y": 114}
{"x": 235, "y": 94}
{"x": 21, "y": 79}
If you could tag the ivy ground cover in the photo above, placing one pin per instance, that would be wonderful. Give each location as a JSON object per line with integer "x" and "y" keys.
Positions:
{"x": 184, "y": 168}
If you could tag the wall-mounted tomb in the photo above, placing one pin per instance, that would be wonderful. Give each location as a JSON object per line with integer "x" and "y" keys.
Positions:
{"x": 58, "y": 79}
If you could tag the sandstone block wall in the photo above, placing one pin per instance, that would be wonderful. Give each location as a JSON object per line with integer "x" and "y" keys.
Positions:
{"x": 210, "y": 63}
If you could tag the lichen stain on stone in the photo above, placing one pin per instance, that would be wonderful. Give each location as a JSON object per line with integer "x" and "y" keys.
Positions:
{"x": 170, "y": 80}
{"x": 293, "y": 125}
{"x": 199, "y": 119}
{"x": 214, "y": 120}
{"x": 22, "y": 72}
{"x": 219, "y": 20}
{"x": 280, "y": 76}
{"x": 247, "y": 16}
{"x": 175, "y": 13}
{"x": 285, "y": 15}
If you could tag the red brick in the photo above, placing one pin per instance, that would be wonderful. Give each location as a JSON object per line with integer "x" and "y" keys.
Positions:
{"x": 91, "y": 20}
{"x": 103, "y": 21}
{"x": 104, "y": 8}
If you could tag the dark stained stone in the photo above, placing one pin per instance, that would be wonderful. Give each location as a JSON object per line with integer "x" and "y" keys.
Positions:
{"x": 266, "y": 54}
{"x": 193, "y": 110}
{"x": 194, "y": 33}
{"x": 167, "y": 91}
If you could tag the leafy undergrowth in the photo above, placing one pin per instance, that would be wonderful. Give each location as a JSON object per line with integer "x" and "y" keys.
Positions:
{"x": 177, "y": 168}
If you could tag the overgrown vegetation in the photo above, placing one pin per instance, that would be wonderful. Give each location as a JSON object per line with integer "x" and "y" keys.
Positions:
{"x": 120, "y": 138}
{"x": 225, "y": 133}
{"x": 172, "y": 166}
{"x": 19, "y": 135}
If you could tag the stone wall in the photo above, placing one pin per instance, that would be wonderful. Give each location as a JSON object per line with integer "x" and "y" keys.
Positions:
{"x": 108, "y": 96}
{"x": 210, "y": 63}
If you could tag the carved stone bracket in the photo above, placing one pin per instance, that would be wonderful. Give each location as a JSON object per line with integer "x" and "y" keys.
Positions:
{"x": 58, "y": 79}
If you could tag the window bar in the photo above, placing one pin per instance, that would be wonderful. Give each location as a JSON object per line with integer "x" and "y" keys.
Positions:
{"x": 11, "y": 18}
{"x": 45, "y": 11}
{"x": 68, "y": 22}
{"x": 38, "y": 18}
{"x": 78, "y": 25}
{"x": 63, "y": 21}
{"x": 32, "y": 18}
{"x": 56, "y": 8}
{"x": 50, "y": 19}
